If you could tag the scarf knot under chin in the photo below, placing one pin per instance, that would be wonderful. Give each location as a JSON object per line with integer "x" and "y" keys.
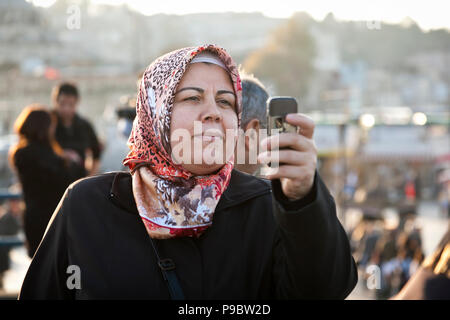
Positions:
{"x": 179, "y": 207}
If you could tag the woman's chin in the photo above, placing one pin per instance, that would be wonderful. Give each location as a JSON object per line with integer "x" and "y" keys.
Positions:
{"x": 203, "y": 169}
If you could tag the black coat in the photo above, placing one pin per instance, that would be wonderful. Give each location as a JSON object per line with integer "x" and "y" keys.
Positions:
{"x": 259, "y": 246}
{"x": 44, "y": 176}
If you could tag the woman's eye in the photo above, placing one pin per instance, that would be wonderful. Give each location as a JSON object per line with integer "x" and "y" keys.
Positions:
{"x": 225, "y": 102}
{"x": 193, "y": 98}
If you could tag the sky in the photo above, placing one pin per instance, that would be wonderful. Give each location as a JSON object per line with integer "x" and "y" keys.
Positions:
{"x": 429, "y": 14}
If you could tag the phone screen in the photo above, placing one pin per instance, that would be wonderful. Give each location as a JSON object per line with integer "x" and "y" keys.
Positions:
{"x": 277, "y": 109}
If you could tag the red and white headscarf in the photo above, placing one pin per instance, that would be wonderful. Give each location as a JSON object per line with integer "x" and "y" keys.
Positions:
{"x": 171, "y": 200}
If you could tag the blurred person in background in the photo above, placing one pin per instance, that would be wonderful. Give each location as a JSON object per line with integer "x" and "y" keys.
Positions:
{"x": 409, "y": 257}
{"x": 443, "y": 192}
{"x": 351, "y": 184}
{"x": 254, "y": 118}
{"x": 43, "y": 167}
{"x": 9, "y": 226}
{"x": 384, "y": 255}
{"x": 410, "y": 191}
{"x": 74, "y": 132}
{"x": 432, "y": 279}
{"x": 364, "y": 238}
{"x": 126, "y": 111}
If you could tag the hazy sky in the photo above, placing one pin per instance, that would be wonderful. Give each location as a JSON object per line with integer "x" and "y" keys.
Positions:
{"x": 427, "y": 13}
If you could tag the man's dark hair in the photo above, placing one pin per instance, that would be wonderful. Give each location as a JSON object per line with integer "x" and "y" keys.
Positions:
{"x": 65, "y": 88}
{"x": 254, "y": 98}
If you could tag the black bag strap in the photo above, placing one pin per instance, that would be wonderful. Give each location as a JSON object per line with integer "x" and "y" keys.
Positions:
{"x": 167, "y": 267}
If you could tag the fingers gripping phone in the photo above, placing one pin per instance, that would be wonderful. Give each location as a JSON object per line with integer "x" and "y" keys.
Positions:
{"x": 277, "y": 109}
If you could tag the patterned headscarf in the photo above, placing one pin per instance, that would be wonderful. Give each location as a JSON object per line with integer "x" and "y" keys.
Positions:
{"x": 171, "y": 200}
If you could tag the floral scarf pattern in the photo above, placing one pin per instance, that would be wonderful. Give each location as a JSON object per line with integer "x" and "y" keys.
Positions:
{"x": 171, "y": 201}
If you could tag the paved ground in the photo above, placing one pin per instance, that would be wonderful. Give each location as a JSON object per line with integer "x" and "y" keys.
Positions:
{"x": 14, "y": 277}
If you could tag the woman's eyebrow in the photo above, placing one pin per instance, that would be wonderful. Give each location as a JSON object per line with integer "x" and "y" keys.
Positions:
{"x": 190, "y": 88}
{"x": 224, "y": 92}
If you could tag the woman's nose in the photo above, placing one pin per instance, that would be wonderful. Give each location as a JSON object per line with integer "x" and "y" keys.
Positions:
{"x": 211, "y": 112}
{"x": 212, "y": 116}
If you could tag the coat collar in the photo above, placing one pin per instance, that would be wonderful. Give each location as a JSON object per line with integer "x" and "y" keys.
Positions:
{"x": 242, "y": 187}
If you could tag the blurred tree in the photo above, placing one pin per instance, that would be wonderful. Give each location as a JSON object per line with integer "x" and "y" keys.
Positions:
{"x": 287, "y": 59}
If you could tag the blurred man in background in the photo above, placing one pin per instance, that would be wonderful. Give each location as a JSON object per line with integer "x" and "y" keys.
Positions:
{"x": 75, "y": 134}
{"x": 254, "y": 98}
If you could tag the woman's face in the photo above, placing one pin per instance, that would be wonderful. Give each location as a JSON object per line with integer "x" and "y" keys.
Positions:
{"x": 204, "y": 110}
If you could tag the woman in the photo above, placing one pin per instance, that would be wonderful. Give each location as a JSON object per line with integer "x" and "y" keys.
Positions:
{"x": 211, "y": 231}
{"x": 43, "y": 168}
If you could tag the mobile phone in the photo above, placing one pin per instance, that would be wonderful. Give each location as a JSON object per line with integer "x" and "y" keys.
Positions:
{"x": 277, "y": 109}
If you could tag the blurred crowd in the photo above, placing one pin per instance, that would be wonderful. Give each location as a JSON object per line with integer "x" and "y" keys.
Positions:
{"x": 395, "y": 248}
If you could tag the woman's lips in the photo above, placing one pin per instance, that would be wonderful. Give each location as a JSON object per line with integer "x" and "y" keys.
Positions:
{"x": 208, "y": 137}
